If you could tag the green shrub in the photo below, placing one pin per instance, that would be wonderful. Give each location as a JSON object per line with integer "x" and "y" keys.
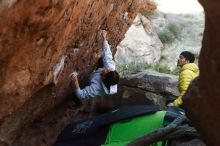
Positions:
{"x": 164, "y": 69}
{"x": 175, "y": 71}
{"x": 131, "y": 68}
{"x": 135, "y": 67}
{"x": 166, "y": 37}
{"x": 160, "y": 68}
{"x": 151, "y": 15}
{"x": 169, "y": 33}
{"x": 163, "y": 57}
{"x": 174, "y": 29}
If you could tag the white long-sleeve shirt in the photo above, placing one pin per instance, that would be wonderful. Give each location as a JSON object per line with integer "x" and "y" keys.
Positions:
{"x": 97, "y": 87}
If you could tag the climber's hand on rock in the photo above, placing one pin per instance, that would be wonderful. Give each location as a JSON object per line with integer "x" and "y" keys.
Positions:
{"x": 74, "y": 78}
{"x": 170, "y": 104}
{"x": 74, "y": 81}
{"x": 104, "y": 34}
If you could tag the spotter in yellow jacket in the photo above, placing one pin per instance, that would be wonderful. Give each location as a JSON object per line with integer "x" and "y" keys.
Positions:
{"x": 188, "y": 71}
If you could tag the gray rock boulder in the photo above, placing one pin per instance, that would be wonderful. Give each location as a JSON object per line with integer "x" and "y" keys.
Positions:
{"x": 153, "y": 81}
{"x": 148, "y": 87}
{"x": 141, "y": 43}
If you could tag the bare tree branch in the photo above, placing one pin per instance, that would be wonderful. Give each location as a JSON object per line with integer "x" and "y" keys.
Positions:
{"x": 182, "y": 131}
{"x": 158, "y": 134}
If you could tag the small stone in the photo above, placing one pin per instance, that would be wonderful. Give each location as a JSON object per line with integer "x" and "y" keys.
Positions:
{"x": 40, "y": 41}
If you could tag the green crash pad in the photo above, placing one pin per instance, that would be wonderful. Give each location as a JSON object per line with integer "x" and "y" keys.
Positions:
{"x": 121, "y": 133}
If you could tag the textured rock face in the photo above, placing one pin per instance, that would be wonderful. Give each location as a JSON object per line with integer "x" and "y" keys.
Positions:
{"x": 34, "y": 36}
{"x": 202, "y": 100}
{"x": 192, "y": 142}
{"x": 141, "y": 43}
{"x": 41, "y": 42}
{"x": 153, "y": 81}
{"x": 148, "y": 87}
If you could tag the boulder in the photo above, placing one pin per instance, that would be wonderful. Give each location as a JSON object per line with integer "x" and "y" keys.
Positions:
{"x": 141, "y": 43}
{"x": 148, "y": 87}
{"x": 202, "y": 99}
{"x": 41, "y": 43}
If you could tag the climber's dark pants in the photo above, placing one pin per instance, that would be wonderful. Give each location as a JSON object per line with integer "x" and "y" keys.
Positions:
{"x": 71, "y": 94}
{"x": 170, "y": 99}
{"x": 100, "y": 63}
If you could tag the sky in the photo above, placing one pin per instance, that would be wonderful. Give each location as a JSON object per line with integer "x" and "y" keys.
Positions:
{"x": 179, "y": 6}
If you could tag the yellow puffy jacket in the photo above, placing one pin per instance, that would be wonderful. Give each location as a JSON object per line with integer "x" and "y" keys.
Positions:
{"x": 187, "y": 73}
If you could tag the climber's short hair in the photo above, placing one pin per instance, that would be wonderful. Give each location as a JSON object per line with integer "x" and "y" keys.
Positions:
{"x": 188, "y": 55}
{"x": 112, "y": 78}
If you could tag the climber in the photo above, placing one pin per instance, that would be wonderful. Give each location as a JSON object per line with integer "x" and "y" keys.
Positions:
{"x": 103, "y": 80}
{"x": 188, "y": 71}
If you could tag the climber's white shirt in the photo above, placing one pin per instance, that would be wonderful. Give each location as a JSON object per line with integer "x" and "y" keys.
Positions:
{"x": 97, "y": 87}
